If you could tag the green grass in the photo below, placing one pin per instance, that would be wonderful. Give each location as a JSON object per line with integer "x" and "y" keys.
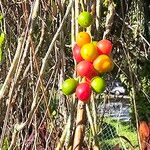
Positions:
{"x": 111, "y": 129}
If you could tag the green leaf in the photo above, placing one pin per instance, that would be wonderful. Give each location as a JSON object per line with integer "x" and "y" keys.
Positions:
{"x": 1, "y": 17}
{"x": 54, "y": 113}
{"x": 1, "y": 54}
{"x": 5, "y": 144}
{"x": 2, "y": 38}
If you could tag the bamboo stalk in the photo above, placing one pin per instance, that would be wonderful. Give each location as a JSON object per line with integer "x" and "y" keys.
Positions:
{"x": 80, "y": 126}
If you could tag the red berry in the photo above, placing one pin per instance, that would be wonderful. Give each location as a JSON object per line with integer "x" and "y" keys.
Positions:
{"x": 76, "y": 53}
{"x": 104, "y": 47}
{"x": 83, "y": 92}
{"x": 86, "y": 69}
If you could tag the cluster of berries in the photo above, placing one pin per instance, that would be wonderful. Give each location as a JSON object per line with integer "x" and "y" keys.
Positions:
{"x": 93, "y": 59}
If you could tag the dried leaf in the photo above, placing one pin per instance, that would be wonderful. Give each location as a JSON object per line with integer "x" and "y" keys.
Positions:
{"x": 144, "y": 129}
{"x": 42, "y": 133}
{"x": 116, "y": 147}
{"x": 39, "y": 147}
{"x": 29, "y": 140}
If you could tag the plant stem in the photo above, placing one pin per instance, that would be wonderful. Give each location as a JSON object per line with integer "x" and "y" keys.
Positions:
{"x": 80, "y": 126}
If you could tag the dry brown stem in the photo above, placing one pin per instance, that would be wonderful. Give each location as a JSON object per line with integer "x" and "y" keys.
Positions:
{"x": 80, "y": 126}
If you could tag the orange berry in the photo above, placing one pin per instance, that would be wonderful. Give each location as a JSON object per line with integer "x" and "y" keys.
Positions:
{"x": 83, "y": 38}
{"x": 103, "y": 63}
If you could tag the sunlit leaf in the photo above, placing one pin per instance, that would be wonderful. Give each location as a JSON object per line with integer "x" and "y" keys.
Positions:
{"x": 1, "y": 17}
{"x": 5, "y": 144}
{"x": 1, "y": 54}
{"x": 2, "y": 38}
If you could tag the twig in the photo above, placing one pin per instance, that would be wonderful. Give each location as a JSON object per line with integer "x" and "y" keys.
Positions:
{"x": 94, "y": 112}
{"x": 98, "y": 13}
{"x": 133, "y": 97}
{"x": 109, "y": 18}
{"x": 82, "y": 5}
{"x": 42, "y": 71}
{"x": 34, "y": 12}
{"x": 63, "y": 137}
{"x": 130, "y": 27}
{"x": 47, "y": 57}
{"x": 12, "y": 68}
{"x": 76, "y": 16}
{"x": 89, "y": 116}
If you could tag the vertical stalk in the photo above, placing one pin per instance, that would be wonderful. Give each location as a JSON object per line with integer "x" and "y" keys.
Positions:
{"x": 72, "y": 26}
{"x": 76, "y": 16}
{"x": 94, "y": 112}
{"x": 133, "y": 97}
{"x": 80, "y": 126}
{"x": 135, "y": 111}
{"x": 98, "y": 13}
{"x": 82, "y": 5}
{"x": 109, "y": 18}
{"x": 89, "y": 116}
